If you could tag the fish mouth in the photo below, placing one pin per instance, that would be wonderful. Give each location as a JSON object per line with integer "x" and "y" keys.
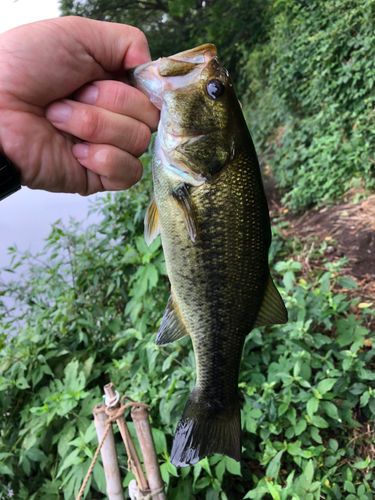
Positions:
{"x": 156, "y": 79}
{"x": 170, "y": 73}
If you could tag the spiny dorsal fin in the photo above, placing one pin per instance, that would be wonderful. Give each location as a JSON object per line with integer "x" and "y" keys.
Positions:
{"x": 171, "y": 328}
{"x": 184, "y": 202}
{"x": 272, "y": 311}
{"x": 152, "y": 223}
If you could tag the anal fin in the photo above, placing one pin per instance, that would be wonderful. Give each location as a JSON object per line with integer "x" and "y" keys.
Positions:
{"x": 272, "y": 311}
{"x": 152, "y": 222}
{"x": 185, "y": 204}
{"x": 172, "y": 327}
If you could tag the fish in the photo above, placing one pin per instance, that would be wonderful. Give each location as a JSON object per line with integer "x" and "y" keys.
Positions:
{"x": 210, "y": 208}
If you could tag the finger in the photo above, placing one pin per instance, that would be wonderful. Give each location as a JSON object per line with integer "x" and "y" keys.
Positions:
{"x": 120, "y": 98}
{"x": 100, "y": 126}
{"x": 112, "y": 45}
{"x": 78, "y": 51}
{"x": 116, "y": 168}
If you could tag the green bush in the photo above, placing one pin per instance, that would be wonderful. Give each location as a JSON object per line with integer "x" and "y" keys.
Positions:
{"x": 311, "y": 110}
{"x": 94, "y": 301}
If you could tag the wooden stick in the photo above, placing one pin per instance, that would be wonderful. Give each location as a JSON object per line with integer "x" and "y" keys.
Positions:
{"x": 109, "y": 454}
{"x": 128, "y": 441}
{"x": 141, "y": 421}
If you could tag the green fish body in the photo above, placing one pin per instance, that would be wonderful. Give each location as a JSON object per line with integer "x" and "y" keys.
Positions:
{"x": 211, "y": 211}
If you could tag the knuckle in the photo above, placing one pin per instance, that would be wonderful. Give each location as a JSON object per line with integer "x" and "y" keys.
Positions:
{"x": 141, "y": 37}
{"x": 134, "y": 172}
{"x": 141, "y": 139}
{"x": 91, "y": 124}
{"x": 118, "y": 96}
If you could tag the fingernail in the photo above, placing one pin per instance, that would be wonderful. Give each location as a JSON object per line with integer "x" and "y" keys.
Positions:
{"x": 81, "y": 150}
{"x": 59, "y": 112}
{"x": 88, "y": 95}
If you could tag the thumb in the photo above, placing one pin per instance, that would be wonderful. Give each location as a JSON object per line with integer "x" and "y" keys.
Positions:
{"x": 114, "y": 46}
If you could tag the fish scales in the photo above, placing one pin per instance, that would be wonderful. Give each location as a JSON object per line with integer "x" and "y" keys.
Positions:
{"x": 210, "y": 209}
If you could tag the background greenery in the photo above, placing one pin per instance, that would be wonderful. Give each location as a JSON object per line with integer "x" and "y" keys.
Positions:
{"x": 87, "y": 309}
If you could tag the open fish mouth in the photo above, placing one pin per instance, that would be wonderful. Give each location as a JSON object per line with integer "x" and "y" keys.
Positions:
{"x": 166, "y": 82}
{"x": 171, "y": 73}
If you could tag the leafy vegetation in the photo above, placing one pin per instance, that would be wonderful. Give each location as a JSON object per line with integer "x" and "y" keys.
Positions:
{"x": 311, "y": 110}
{"x": 308, "y": 388}
{"x": 86, "y": 311}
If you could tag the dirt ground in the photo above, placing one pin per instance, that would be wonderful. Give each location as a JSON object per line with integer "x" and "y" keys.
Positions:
{"x": 348, "y": 230}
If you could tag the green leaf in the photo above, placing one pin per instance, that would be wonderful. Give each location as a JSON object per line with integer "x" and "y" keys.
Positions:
{"x": 308, "y": 473}
{"x": 361, "y": 464}
{"x": 349, "y": 487}
{"x": 330, "y": 409}
{"x": 220, "y": 470}
{"x": 72, "y": 459}
{"x": 282, "y": 408}
{"x": 206, "y": 466}
{"x": 300, "y": 427}
{"x": 371, "y": 405}
{"x": 4, "y": 469}
{"x": 22, "y": 383}
{"x": 66, "y": 437}
{"x": 333, "y": 445}
{"x": 274, "y": 465}
{"x": 312, "y": 406}
{"x": 159, "y": 440}
{"x": 273, "y": 491}
{"x": 36, "y": 455}
{"x": 326, "y": 385}
{"x": 316, "y": 435}
{"x": 348, "y": 283}
{"x": 211, "y": 494}
{"x": 232, "y": 466}
{"x": 319, "y": 422}
{"x": 202, "y": 483}
{"x": 99, "y": 476}
{"x": 294, "y": 448}
{"x": 364, "y": 399}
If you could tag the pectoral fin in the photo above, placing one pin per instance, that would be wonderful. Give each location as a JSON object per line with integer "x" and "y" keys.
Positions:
{"x": 272, "y": 311}
{"x": 185, "y": 204}
{"x": 152, "y": 223}
{"x": 172, "y": 327}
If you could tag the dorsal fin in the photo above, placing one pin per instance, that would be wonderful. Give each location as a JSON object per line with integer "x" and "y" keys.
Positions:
{"x": 152, "y": 222}
{"x": 172, "y": 327}
{"x": 185, "y": 204}
{"x": 272, "y": 311}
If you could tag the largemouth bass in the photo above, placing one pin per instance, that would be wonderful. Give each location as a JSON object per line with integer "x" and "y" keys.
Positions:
{"x": 211, "y": 211}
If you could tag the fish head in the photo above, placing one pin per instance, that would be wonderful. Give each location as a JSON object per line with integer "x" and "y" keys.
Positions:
{"x": 198, "y": 127}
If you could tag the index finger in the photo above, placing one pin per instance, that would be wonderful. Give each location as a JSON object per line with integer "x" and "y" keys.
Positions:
{"x": 120, "y": 98}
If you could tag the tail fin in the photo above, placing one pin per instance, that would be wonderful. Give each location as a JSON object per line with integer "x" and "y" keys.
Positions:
{"x": 204, "y": 430}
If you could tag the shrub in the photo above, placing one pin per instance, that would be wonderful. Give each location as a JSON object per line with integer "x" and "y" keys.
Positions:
{"x": 94, "y": 301}
{"x": 311, "y": 110}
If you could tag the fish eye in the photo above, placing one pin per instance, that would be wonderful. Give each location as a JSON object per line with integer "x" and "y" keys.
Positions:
{"x": 215, "y": 88}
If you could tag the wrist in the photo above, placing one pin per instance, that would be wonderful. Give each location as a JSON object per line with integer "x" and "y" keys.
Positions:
{"x": 9, "y": 178}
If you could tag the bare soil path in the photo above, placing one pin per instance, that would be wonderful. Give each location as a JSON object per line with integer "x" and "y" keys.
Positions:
{"x": 348, "y": 230}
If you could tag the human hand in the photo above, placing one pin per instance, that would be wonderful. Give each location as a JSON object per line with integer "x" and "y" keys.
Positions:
{"x": 47, "y": 108}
